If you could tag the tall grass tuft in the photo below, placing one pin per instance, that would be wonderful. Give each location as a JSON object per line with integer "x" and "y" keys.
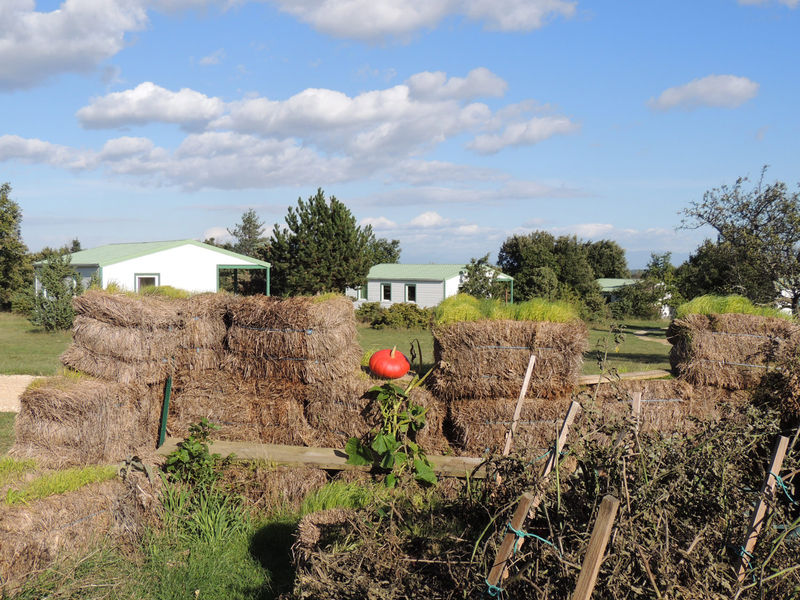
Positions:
{"x": 338, "y": 494}
{"x": 463, "y": 307}
{"x": 59, "y": 482}
{"x": 711, "y": 304}
{"x": 11, "y": 468}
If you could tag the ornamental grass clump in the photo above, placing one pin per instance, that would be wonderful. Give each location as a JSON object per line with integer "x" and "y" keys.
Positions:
{"x": 465, "y": 308}
{"x": 711, "y": 304}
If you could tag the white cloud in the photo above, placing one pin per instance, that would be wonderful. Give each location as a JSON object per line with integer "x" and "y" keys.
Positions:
{"x": 14, "y": 147}
{"x": 218, "y": 234}
{"x": 75, "y": 38}
{"x": 517, "y": 15}
{"x": 214, "y": 58}
{"x": 147, "y": 103}
{"x": 429, "y": 219}
{"x": 480, "y": 82}
{"x": 527, "y": 133}
{"x": 373, "y": 20}
{"x": 789, "y": 3}
{"x": 726, "y": 91}
{"x": 378, "y": 223}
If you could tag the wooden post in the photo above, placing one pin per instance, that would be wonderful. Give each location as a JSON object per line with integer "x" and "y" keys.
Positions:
{"x": 636, "y": 409}
{"x": 597, "y": 548}
{"x": 518, "y": 409}
{"x": 529, "y": 502}
{"x": 767, "y": 491}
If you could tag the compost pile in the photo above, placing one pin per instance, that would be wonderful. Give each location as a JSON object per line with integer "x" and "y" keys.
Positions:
{"x": 282, "y": 371}
{"x": 684, "y": 511}
{"x": 732, "y": 350}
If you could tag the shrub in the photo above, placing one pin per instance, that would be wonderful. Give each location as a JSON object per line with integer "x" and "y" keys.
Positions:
{"x": 638, "y": 300}
{"x": 52, "y": 307}
{"x": 403, "y": 316}
{"x": 368, "y": 312}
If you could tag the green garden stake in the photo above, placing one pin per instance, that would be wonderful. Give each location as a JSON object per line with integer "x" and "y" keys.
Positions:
{"x": 162, "y": 433}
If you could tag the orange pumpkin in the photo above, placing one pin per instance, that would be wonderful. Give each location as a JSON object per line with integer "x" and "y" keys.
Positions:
{"x": 390, "y": 364}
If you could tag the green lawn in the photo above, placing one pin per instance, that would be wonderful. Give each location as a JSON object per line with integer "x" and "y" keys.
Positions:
{"x": 26, "y": 350}
{"x": 377, "y": 339}
{"x": 6, "y": 431}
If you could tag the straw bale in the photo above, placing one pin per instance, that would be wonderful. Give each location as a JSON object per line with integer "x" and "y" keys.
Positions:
{"x": 269, "y": 411}
{"x": 488, "y": 359}
{"x": 273, "y": 487}
{"x": 295, "y": 338}
{"x": 128, "y": 344}
{"x": 65, "y": 422}
{"x": 80, "y": 358}
{"x": 346, "y": 410}
{"x": 733, "y": 351}
{"x": 123, "y": 310}
{"x": 34, "y": 535}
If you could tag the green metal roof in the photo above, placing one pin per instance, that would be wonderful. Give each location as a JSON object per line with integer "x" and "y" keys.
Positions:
{"x": 608, "y": 284}
{"x": 111, "y": 254}
{"x": 429, "y": 272}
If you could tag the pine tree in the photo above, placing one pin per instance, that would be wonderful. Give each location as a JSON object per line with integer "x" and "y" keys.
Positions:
{"x": 15, "y": 267}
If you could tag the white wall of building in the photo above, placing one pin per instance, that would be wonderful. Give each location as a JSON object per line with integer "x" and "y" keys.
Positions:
{"x": 188, "y": 267}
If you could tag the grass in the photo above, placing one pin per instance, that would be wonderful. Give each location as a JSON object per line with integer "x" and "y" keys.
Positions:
{"x": 643, "y": 351}
{"x": 463, "y": 307}
{"x": 26, "y": 350}
{"x": 59, "y": 482}
{"x": 6, "y": 431}
{"x": 377, "y": 339}
{"x": 11, "y": 469}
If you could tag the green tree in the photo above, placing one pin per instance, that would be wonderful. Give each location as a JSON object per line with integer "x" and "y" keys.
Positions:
{"x": 58, "y": 283}
{"x": 720, "y": 268}
{"x": 15, "y": 266}
{"x": 321, "y": 249}
{"x": 248, "y": 234}
{"x": 573, "y": 268}
{"x": 382, "y": 251}
{"x": 761, "y": 223}
{"x": 544, "y": 283}
{"x": 607, "y": 259}
{"x": 520, "y": 255}
{"x": 480, "y": 280}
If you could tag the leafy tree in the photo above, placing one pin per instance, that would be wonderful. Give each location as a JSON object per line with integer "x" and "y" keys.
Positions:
{"x": 521, "y": 255}
{"x": 59, "y": 282}
{"x": 382, "y": 251}
{"x": 720, "y": 268}
{"x": 641, "y": 300}
{"x": 248, "y": 234}
{"x": 480, "y": 280}
{"x": 544, "y": 283}
{"x": 15, "y": 266}
{"x": 607, "y": 259}
{"x": 321, "y": 249}
{"x": 762, "y": 224}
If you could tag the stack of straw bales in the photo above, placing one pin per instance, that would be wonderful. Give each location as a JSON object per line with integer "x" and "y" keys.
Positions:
{"x": 732, "y": 351}
{"x": 66, "y": 421}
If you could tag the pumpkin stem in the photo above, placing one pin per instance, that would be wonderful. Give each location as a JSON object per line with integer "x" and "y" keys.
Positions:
{"x": 391, "y": 354}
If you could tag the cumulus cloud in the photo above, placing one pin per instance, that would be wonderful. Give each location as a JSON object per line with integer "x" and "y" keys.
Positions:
{"x": 31, "y": 150}
{"x": 218, "y": 234}
{"x": 378, "y": 223}
{"x": 527, "y": 133}
{"x": 725, "y": 91}
{"x": 373, "y": 20}
{"x": 75, "y": 38}
{"x": 480, "y": 82}
{"x": 148, "y": 103}
{"x": 428, "y": 219}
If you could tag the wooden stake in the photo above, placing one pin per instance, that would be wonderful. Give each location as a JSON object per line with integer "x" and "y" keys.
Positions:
{"x": 597, "y": 548}
{"x": 530, "y": 501}
{"x": 518, "y": 409}
{"x": 636, "y": 409}
{"x": 767, "y": 491}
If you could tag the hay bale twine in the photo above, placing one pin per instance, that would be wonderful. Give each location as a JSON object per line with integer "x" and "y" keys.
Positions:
{"x": 67, "y": 421}
{"x": 732, "y": 351}
{"x": 487, "y": 359}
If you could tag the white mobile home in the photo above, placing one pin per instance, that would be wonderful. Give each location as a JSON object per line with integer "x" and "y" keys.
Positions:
{"x": 184, "y": 264}
{"x": 424, "y": 285}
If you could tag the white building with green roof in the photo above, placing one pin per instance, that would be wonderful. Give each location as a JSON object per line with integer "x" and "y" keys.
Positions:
{"x": 424, "y": 285}
{"x": 184, "y": 264}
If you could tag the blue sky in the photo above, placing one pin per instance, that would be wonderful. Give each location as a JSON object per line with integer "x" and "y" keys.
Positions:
{"x": 447, "y": 124}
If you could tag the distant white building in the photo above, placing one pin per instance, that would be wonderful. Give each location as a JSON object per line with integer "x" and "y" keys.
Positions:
{"x": 609, "y": 287}
{"x": 185, "y": 264}
{"x": 424, "y": 285}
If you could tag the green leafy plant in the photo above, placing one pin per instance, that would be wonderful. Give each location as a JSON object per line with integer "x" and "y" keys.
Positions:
{"x": 391, "y": 448}
{"x": 191, "y": 461}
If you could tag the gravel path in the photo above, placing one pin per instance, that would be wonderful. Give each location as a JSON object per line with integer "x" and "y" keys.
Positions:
{"x": 11, "y": 388}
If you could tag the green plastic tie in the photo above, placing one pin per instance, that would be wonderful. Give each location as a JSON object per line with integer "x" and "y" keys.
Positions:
{"x": 525, "y": 534}
{"x": 493, "y": 590}
{"x": 782, "y": 485}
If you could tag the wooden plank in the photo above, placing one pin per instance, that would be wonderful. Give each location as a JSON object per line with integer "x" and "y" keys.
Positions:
{"x": 635, "y": 376}
{"x": 636, "y": 409}
{"x": 597, "y": 548}
{"x": 530, "y": 501}
{"x": 767, "y": 491}
{"x": 325, "y": 458}
{"x": 518, "y": 409}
